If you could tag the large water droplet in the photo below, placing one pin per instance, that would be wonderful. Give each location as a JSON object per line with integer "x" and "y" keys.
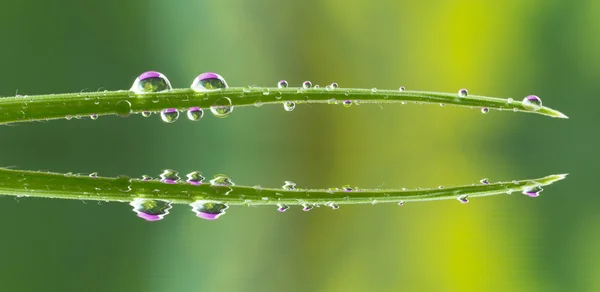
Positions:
{"x": 149, "y": 82}
{"x": 463, "y": 199}
{"x": 222, "y": 107}
{"x": 282, "y": 84}
{"x": 169, "y": 176}
{"x": 208, "y": 81}
{"x": 289, "y": 185}
{"x": 169, "y": 115}
{"x": 221, "y": 180}
{"x": 463, "y": 93}
{"x": 195, "y": 113}
{"x": 306, "y": 84}
{"x": 123, "y": 108}
{"x": 209, "y": 210}
{"x": 289, "y": 106}
{"x": 150, "y": 210}
{"x": 347, "y": 103}
{"x": 533, "y": 192}
{"x": 532, "y": 102}
{"x": 195, "y": 178}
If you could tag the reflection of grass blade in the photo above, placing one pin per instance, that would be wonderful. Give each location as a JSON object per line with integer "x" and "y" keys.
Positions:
{"x": 123, "y": 102}
{"x": 123, "y": 189}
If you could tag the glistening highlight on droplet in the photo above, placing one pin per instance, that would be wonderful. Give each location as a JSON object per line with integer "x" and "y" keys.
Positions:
{"x": 208, "y": 81}
{"x": 169, "y": 115}
{"x": 532, "y": 102}
{"x": 169, "y": 176}
{"x": 195, "y": 113}
{"x": 149, "y": 82}
{"x": 150, "y": 210}
{"x": 209, "y": 210}
{"x": 222, "y": 107}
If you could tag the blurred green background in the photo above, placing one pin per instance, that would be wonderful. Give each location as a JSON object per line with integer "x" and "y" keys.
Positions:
{"x": 503, "y": 243}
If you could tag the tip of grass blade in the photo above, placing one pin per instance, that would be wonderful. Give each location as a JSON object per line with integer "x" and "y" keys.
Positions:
{"x": 552, "y": 113}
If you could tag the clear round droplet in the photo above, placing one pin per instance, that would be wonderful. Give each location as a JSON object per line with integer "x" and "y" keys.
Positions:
{"x": 195, "y": 113}
{"x": 150, "y": 210}
{"x": 94, "y": 116}
{"x": 533, "y": 192}
{"x": 123, "y": 108}
{"x": 532, "y": 102}
{"x": 221, "y": 180}
{"x": 347, "y": 188}
{"x": 282, "y": 207}
{"x": 485, "y": 181}
{"x": 282, "y": 84}
{"x": 149, "y": 82}
{"x": 208, "y": 81}
{"x": 334, "y": 85}
{"x": 401, "y": 203}
{"x": 169, "y": 115}
{"x": 289, "y": 106}
{"x": 347, "y": 103}
{"x": 373, "y": 89}
{"x": 509, "y": 100}
{"x": 146, "y": 114}
{"x": 289, "y": 185}
{"x": 401, "y": 88}
{"x": 222, "y": 107}
{"x": 463, "y": 93}
{"x": 209, "y": 210}
{"x": 195, "y": 178}
{"x": 485, "y": 110}
{"x": 306, "y": 84}
{"x": 169, "y": 176}
{"x": 463, "y": 199}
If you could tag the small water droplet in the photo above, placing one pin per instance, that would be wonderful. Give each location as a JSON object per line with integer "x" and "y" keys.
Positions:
{"x": 440, "y": 187}
{"x": 282, "y": 84}
{"x": 146, "y": 178}
{"x": 222, "y": 107}
{"x": 373, "y": 89}
{"x": 515, "y": 109}
{"x": 532, "y": 102}
{"x": 317, "y": 86}
{"x": 146, "y": 114}
{"x": 485, "y": 181}
{"x": 195, "y": 113}
{"x": 509, "y": 100}
{"x": 149, "y": 82}
{"x": 169, "y": 176}
{"x": 258, "y": 103}
{"x": 289, "y": 106}
{"x": 195, "y": 178}
{"x": 209, "y": 210}
{"x": 282, "y": 207}
{"x": 266, "y": 92}
{"x": 221, "y": 180}
{"x": 347, "y": 188}
{"x": 123, "y": 108}
{"x": 463, "y": 93}
{"x": 94, "y": 116}
{"x": 334, "y": 85}
{"x": 208, "y": 81}
{"x": 289, "y": 185}
{"x": 533, "y": 192}
{"x": 463, "y": 199}
{"x": 169, "y": 115}
{"x": 306, "y": 84}
{"x": 401, "y": 88}
{"x": 333, "y": 206}
{"x": 485, "y": 110}
{"x": 347, "y": 103}
{"x": 68, "y": 117}
{"x": 93, "y": 175}
{"x": 401, "y": 203}
{"x": 307, "y": 207}
{"x": 150, "y": 210}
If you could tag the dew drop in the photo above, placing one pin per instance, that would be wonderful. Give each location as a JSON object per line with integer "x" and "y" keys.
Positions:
{"x": 94, "y": 116}
{"x": 347, "y": 103}
{"x": 532, "y": 102}
{"x": 68, "y": 117}
{"x": 485, "y": 181}
{"x": 485, "y": 110}
{"x": 463, "y": 93}
{"x": 401, "y": 88}
{"x": 146, "y": 178}
{"x": 169, "y": 176}
{"x": 282, "y": 84}
{"x": 93, "y": 175}
{"x": 306, "y": 84}
{"x": 289, "y": 185}
{"x": 440, "y": 187}
{"x": 209, "y": 210}
{"x": 195, "y": 178}
{"x": 401, "y": 203}
{"x": 307, "y": 207}
{"x": 169, "y": 115}
{"x": 146, "y": 114}
{"x": 463, "y": 199}
{"x": 282, "y": 207}
{"x": 208, "y": 81}
{"x": 533, "y": 192}
{"x": 149, "y": 82}
{"x": 221, "y": 180}
{"x": 373, "y": 89}
{"x": 150, "y": 210}
{"x": 258, "y": 103}
{"x": 289, "y": 106}
{"x": 195, "y": 113}
{"x": 123, "y": 108}
{"x": 509, "y": 100}
{"x": 347, "y": 188}
{"x": 333, "y": 206}
{"x": 222, "y": 107}
{"x": 334, "y": 85}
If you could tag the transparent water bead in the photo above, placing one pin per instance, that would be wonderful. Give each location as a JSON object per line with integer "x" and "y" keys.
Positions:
{"x": 195, "y": 178}
{"x": 282, "y": 207}
{"x": 146, "y": 114}
{"x": 334, "y": 85}
{"x": 94, "y": 116}
{"x": 149, "y": 82}
{"x": 532, "y": 102}
{"x": 169, "y": 176}
{"x": 333, "y": 206}
{"x": 463, "y": 93}
{"x": 347, "y": 103}
{"x": 195, "y": 113}
{"x": 150, "y": 210}
{"x": 289, "y": 106}
{"x": 282, "y": 84}
{"x": 463, "y": 199}
{"x": 401, "y": 88}
{"x": 208, "y": 81}
{"x": 221, "y": 180}
{"x": 209, "y": 210}
{"x": 289, "y": 185}
{"x": 123, "y": 108}
{"x": 306, "y": 84}
{"x": 485, "y": 181}
{"x": 169, "y": 115}
{"x": 307, "y": 207}
{"x": 485, "y": 110}
{"x": 222, "y": 107}
{"x": 533, "y": 192}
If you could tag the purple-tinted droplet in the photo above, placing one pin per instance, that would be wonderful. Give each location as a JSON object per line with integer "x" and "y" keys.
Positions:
{"x": 306, "y": 84}
{"x": 532, "y": 102}
{"x": 195, "y": 178}
{"x": 282, "y": 84}
{"x": 209, "y": 81}
{"x": 209, "y": 210}
{"x": 533, "y": 192}
{"x": 307, "y": 207}
{"x": 149, "y": 82}
{"x": 485, "y": 110}
{"x": 169, "y": 176}
{"x": 485, "y": 181}
{"x": 149, "y": 217}
{"x": 149, "y": 209}
{"x": 169, "y": 115}
{"x": 195, "y": 113}
{"x": 463, "y": 199}
{"x": 463, "y": 93}
{"x": 347, "y": 103}
{"x": 282, "y": 207}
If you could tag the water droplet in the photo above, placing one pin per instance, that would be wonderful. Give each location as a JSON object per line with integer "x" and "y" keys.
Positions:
{"x": 509, "y": 100}
{"x": 347, "y": 103}
{"x": 93, "y": 175}
{"x": 485, "y": 110}
{"x": 146, "y": 178}
{"x": 334, "y": 85}
{"x": 333, "y": 206}
{"x": 532, "y": 102}
{"x": 195, "y": 178}
{"x": 209, "y": 210}
{"x": 373, "y": 89}
{"x": 463, "y": 199}
{"x": 222, "y": 107}
{"x": 463, "y": 93}
{"x": 485, "y": 181}
{"x": 123, "y": 108}
{"x": 282, "y": 207}
{"x": 307, "y": 207}
{"x": 266, "y": 92}
{"x": 401, "y": 203}
{"x": 94, "y": 116}
{"x": 515, "y": 109}
{"x": 149, "y": 82}
{"x": 258, "y": 103}
{"x": 195, "y": 113}
{"x": 169, "y": 115}
{"x": 68, "y": 117}
{"x": 347, "y": 188}
{"x": 282, "y": 84}
{"x": 169, "y": 176}
{"x": 146, "y": 114}
{"x": 289, "y": 185}
{"x": 401, "y": 88}
{"x": 289, "y": 106}
{"x": 440, "y": 187}
{"x": 533, "y": 192}
{"x": 208, "y": 81}
{"x": 221, "y": 180}
{"x": 306, "y": 84}
{"x": 317, "y": 86}
{"x": 150, "y": 210}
